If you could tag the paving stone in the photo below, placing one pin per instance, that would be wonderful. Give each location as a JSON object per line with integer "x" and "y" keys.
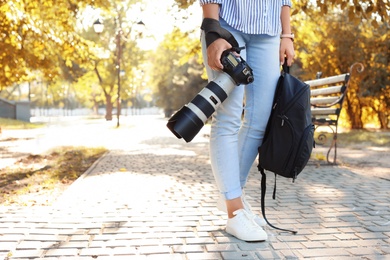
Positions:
{"x": 118, "y": 251}
{"x": 253, "y": 246}
{"x": 321, "y": 237}
{"x": 117, "y": 257}
{"x": 315, "y": 244}
{"x": 344, "y": 258}
{"x": 10, "y": 238}
{"x": 95, "y": 252}
{"x": 221, "y": 247}
{"x": 361, "y": 251}
{"x": 238, "y": 255}
{"x": 200, "y": 240}
{"x": 8, "y": 246}
{"x": 222, "y": 239}
{"x": 35, "y": 253}
{"x": 329, "y": 252}
{"x": 80, "y": 237}
{"x": 337, "y": 224}
{"x": 72, "y": 244}
{"x": 167, "y": 257}
{"x": 269, "y": 255}
{"x": 283, "y": 245}
{"x": 167, "y": 210}
{"x": 291, "y": 238}
{"x": 385, "y": 250}
{"x": 370, "y": 235}
{"x": 188, "y": 248}
{"x": 204, "y": 256}
{"x": 53, "y": 238}
{"x": 381, "y": 228}
{"x": 372, "y": 243}
{"x": 341, "y": 244}
{"x": 348, "y": 236}
{"x": 57, "y": 252}
{"x": 155, "y": 249}
{"x": 25, "y": 245}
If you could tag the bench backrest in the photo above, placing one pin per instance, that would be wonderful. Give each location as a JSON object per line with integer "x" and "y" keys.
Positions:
{"x": 327, "y": 95}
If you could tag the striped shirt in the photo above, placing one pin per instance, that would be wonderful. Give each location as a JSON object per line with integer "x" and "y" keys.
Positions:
{"x": 251, "y": 16}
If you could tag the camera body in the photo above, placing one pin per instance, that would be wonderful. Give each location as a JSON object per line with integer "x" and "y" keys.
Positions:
{"x": 237, "y": 68}
{"x": 187, "y": 122}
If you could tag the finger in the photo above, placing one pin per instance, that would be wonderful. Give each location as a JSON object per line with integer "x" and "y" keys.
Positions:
{"x": 219, "y": 65}
{"x": 281, "y": 56}
{"x": 289, "y": 61}
{"x": 290, "y": 58}
{"x": 281, "y": 59}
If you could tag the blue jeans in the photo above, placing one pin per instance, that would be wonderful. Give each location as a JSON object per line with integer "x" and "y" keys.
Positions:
{"x": 234, "y": 140}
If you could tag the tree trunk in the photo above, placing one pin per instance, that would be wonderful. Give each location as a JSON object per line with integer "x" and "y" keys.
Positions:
{"x": 109, "y": 107}
{"x": 95, "y": 108}
{"x": 354, "y": 105}
{"x": 354, "y": 112}
{"x": 383, "y": 119}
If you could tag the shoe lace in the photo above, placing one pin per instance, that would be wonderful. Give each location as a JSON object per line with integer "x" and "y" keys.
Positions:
{"x": 251, "y": 217}
{"x": 248, "y": 208}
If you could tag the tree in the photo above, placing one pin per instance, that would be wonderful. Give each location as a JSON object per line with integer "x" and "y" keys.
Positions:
{"x": 120, "y": 52}
{"x": 177, "y": 71}
{"x": 375, "y": 94}
{"x": 356, "y": 9}
{"x": 47, "y": 37}
{"x": 342, "y": 33}
{"x": 331, "y": 44}
{"x": 331, "y": 36}
{"x": 34, "y": 34}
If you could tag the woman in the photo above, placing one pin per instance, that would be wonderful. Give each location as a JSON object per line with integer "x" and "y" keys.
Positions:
{"x": 263, "y": 28}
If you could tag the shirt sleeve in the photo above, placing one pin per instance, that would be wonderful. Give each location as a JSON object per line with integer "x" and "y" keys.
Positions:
{"x": 203, "y": 2}
{"x": 286, "y": 2}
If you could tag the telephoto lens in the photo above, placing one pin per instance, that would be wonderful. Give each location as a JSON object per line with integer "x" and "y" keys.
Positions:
{"x": 189, "y": 120}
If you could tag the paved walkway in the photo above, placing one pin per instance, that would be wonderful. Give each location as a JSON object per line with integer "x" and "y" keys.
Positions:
{"x": 153, "y": 197}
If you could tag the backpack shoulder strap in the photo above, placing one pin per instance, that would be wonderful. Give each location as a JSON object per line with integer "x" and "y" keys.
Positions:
{"x": 263, "y": 190}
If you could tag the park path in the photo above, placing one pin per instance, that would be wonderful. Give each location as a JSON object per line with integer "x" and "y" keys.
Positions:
{"x": 152, "y": 196}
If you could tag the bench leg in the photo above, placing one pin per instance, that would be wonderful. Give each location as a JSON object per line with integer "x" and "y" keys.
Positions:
{"x": 333, "y": 145}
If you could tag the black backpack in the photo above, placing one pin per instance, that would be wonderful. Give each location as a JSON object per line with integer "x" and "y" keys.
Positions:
{"x": 288, "y": 140}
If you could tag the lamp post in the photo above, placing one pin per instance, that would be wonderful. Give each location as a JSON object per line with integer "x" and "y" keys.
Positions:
{"x": 98, "y": 28}
{"x": 118, "y": 70}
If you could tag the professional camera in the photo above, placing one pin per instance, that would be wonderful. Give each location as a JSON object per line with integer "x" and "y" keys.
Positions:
{"x": 188, "y": 121}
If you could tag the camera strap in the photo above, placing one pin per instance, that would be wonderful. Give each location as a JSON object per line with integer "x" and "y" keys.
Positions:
{"x": 214, "y": 31}
{"x": 237, "y": 49}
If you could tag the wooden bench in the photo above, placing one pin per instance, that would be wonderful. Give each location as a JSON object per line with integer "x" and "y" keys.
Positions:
{"x": 327, "y": 96}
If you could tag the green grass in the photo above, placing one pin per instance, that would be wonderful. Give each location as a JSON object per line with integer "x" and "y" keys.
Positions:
{"x": 353, "y": 139}
{"x": 372, "y": 138}
{"x": 35, "y": 173}
{"x": 358, "y": 138}
{"x": 6, "y": 123}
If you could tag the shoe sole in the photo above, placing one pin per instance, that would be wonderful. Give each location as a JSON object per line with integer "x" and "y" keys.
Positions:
{"x": 246, "y": 240}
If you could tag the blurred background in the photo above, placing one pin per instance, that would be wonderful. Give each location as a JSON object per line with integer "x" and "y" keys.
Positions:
{"x": 109, "y": 58}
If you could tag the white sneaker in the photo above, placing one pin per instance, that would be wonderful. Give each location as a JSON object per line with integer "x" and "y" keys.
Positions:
{"x": 221, "y": 205}
{"x": 243, "y": 227}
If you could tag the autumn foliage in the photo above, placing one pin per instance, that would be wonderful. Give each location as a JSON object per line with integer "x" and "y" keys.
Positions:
{"x": 41, "y": 41}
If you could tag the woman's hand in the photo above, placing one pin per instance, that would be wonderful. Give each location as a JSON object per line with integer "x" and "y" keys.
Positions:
{"x": 286, "y": 51}
{"x": 214, "y": 53}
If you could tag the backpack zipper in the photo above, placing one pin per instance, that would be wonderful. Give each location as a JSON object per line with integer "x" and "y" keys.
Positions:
{"x": 300, "y": 148}
{"x": 296, "y": 96}
{"x": 283, "y": 113}
{"x": 283, "y": 117}
{"x": 292, "y": 148}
